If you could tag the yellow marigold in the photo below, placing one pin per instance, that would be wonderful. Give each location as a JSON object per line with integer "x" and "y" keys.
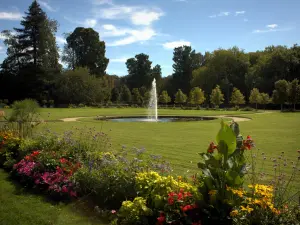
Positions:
{"x": 212, "y": 192}
{"x": 234, "y": 213}
{"x": 258, "y": 202}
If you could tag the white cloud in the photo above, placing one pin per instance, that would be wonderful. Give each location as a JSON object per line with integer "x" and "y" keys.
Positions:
{"x": 47, "y": 6}
{"x": 90, "y": 23}
{"x": 10, "y": 16}
{"x": 110, "y": 30}
{"x": 144, "y": 34}
{"x": 174, "y": 44}
{"x": 119, "y": 60}
{"x": 220, "y": 14}
{"x": 272, "y": 26}
{"x": 224, "y": 14}
{"x": 239, "y": 12}
{"x": 138, "y": 15}
{"x": 272, "y": 30}
{"x": 145, "y": 17}
{"x": 60, "y": 40}
{"x": 2, "y": 37}
{"x": 102, "y": 2}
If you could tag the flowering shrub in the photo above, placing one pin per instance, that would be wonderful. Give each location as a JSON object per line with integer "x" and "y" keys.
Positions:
{"x": 33, "y": 172}
{"x": 156, "y": 188}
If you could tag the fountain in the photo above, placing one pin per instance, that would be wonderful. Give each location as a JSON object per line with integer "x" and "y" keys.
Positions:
{"x": 152, "y": 106}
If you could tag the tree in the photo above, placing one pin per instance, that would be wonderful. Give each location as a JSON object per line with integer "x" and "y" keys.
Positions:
{"x": 164, "y": 98}
{"x": 185, "y": 61}
{"x": 180, "y": 97}
{"x": 115, "y": 95}
{"x": 84, "y": 49}
{"x": 265, "y": 99}
{"x": 294, "y": 92}
{"x": 255, "y": 97}
{"x": 196, "y": 96}
{"x": 216, "y": 97}
{"x": 280, "y": 94}
{"x": 139, "y": 71}
{"x": 78, "y": 86}
{"x": 237, "y": 98}
{"x": 136, "y": 96}
{"x": 125, "y": 95}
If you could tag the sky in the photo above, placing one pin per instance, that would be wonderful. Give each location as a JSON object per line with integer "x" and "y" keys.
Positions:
{"x": 155, "y": 27}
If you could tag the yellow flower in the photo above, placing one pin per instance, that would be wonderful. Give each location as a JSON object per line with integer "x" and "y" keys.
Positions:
{"x": 234, "y": 213}
{"x": 248, "y": 209}
{"x": 212, "y": 192}
{"x": 258, "y": 202}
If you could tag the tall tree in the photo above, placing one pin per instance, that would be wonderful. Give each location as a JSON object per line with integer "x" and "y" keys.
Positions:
{"x": 185, "y": 61}
{"x": 255, "y": 97}
{"x": 216, "y": 97}
{"x": 180, "y": 97}
{"x": 280, "y": 94}
{"x": 84, "y": 49}
{"x": 237, "y": 98}
{"x": 36, "y": 39}
{"x": 164, "y": 98}
{"x": 293, "y": 92}
{"x": 139, "y": 71}
{"x": 196, "y": 96}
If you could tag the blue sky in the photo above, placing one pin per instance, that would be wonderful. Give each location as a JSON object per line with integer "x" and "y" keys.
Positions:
{"x": 155, "y": 27}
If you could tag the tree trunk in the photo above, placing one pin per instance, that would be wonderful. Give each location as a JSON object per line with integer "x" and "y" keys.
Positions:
{"x": 256, "y": 106}
{"x": 294, "y": 106}
{"x": 281, "y": 107}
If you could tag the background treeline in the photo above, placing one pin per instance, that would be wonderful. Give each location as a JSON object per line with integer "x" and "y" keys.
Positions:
{"x": 225, "y": 76}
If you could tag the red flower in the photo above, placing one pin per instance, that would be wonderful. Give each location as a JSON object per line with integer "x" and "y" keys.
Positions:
{"x": 161, "y": 219}
{"x": 187, "y": 207}
{"x": 211, "y": 147}
{"x": 179, "y": 196}
{"x": 73, "y": 194}
{"x": 63, "y": 160}
{"x": 35, "y": 153}
{"x": 27, "y": 157}
{"x": 170, "y": 200}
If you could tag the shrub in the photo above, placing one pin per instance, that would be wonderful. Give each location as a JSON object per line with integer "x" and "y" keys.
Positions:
{"x": 81, "y": 105}
{"x": 247, "y": 109}
{"x": 24, "y": 117}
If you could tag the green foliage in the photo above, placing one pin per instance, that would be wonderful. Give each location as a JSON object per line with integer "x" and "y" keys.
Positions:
{"x": 84, "y": 49}
{"x": 78, "y": 86}
{"x": 294, "y": 92}
{"x": 180, "y": 97}
{"x": 164, "y": 98}
{"x": 280, "y": 94}
{"x": 126, "y": 96}
{"x": 237, "y": 98}
{"x": 132, "y": 212}
{"x": 216, "y": 97}
{"x": 196, "y": 96}
{"x": 223, "y": 166}
{"x": 185, "y": 61}
{"x": 265, "y": 99}
{"x": 136, "y": 96}
{"x": 255, "y": 97}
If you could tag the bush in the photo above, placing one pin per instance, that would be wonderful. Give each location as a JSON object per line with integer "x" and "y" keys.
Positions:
{"x": 247, "y": 109}
{"x": 81, "y": 105}
{"x": 24, "y": 117}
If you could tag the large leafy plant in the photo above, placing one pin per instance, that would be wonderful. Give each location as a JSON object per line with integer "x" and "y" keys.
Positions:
{"x": 223, "y": 166}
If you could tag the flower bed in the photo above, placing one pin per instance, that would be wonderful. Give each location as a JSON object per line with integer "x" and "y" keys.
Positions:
{"x": 136, "y": 188}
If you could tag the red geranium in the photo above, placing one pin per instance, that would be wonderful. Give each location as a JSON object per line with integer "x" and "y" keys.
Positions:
{"x": 161, "y": 219}
{"x": 211, "y": 147}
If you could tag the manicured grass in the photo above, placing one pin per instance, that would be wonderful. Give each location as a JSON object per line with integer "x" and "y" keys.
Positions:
{"x": 59, "y": 113}
{"x": 18, "y": 206}
{"x": 181, "y": 142}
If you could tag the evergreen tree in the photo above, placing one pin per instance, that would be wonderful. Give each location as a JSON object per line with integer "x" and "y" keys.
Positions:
{"x": 125, "y": 95}
{"x": 136, "y": 96}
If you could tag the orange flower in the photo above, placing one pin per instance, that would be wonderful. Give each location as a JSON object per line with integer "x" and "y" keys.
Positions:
{"x": 211, "y": 147}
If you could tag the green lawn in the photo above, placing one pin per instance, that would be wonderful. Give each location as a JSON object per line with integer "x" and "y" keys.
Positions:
{"x": 20, "y": 207}
{"x": 180, "y": 142}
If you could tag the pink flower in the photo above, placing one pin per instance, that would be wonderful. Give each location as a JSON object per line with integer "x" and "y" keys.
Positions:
{"x": 73, "y": 194}
{"x": 64, "y": 189}
{"x": 113, "y": 211}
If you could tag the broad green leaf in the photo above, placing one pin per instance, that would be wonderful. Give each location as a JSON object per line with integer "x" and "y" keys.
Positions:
{"x": 227, "y": 135}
